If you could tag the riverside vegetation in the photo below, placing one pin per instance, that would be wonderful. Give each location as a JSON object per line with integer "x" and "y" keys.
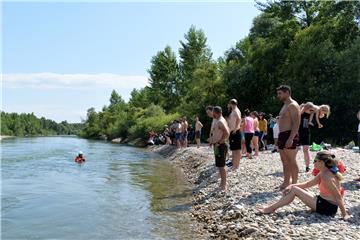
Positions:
{"x": 27, "y": 124}
{"x": 313, "y": 46}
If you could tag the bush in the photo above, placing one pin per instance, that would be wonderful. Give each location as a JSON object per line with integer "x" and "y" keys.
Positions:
{"x": 152, "y": 118}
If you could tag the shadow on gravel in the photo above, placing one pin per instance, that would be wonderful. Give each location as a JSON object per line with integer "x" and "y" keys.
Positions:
{"x": 205, "y": 175}
{"x": 351, "y": 185}
{"x": 275, "y": 174}
{"x": 256, "y": 198}
{"x": 355, "y": 212}
{"x": 306, "y": 216}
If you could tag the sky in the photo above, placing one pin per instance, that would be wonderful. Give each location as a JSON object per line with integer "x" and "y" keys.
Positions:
{"x": 60, "y": 59}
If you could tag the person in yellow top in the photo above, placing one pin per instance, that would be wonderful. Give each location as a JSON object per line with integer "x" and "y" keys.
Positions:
{"x": 263, "y": 131}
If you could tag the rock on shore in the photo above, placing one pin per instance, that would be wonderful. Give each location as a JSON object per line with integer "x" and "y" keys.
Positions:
{"x": 234, "y": 215}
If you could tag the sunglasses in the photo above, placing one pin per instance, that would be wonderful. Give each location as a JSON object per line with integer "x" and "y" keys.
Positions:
{"x": 316, "y": 160}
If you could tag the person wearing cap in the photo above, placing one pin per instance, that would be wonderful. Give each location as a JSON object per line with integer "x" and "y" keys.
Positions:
{"x": 80, "y": 157}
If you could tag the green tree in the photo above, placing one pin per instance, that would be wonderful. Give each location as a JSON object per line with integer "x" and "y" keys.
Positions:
{"x": 193, "y": 52}
{"x": 164, "y": 79}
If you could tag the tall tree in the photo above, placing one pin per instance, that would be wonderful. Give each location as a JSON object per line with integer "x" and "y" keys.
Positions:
{"x": 193, "y": 52}
{"x": 164, "y": 79}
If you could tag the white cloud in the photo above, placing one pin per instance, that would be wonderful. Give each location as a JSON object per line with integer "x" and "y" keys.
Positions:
{"x": 48, "y": 80}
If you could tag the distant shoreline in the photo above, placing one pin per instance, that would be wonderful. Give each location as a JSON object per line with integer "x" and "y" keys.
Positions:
{"x": 7, "y": 136}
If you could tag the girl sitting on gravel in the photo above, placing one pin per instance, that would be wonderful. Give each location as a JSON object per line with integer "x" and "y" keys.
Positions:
{"x": 328, "y": 181}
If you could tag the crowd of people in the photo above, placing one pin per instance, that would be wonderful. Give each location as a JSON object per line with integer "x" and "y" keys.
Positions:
{"x": 247, "y": 133}
{"x": 179, "y": 132}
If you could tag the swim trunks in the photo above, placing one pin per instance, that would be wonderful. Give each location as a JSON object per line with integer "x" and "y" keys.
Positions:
{"x": 284, "y": 136}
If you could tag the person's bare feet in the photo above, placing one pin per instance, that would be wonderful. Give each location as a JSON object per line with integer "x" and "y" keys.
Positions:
{"x": 265, "y": 209}
{"x": 221, "y": 189}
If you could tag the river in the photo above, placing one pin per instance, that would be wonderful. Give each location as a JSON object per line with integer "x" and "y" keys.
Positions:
{"x": 120, "y": 192}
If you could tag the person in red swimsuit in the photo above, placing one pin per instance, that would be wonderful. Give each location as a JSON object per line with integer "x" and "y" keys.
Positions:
{"x": 80, "y": 158}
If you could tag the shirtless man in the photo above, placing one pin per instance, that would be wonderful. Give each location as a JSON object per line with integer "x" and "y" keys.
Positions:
{"x": 198, "y": 127}
{"x": 220, "y": 135}
{"x": 234, "y": 121}
{"x": 289, "y": 121}
{"x": 178, "y": 133}
{"x": 185, "y": 125}
{"x": 210, "y": 113}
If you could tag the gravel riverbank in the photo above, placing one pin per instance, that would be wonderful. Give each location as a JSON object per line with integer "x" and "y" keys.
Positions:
{"x": 233, "y": 215}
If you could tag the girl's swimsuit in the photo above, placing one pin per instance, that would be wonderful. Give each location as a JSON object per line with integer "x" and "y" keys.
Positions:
{"x": 324, "y": 206}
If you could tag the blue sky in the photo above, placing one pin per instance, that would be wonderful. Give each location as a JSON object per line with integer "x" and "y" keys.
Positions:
{"x": 59, "y": 59}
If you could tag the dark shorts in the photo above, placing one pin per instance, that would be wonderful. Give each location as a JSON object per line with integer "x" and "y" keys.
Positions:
{"x": 197, "y": 134}
{"x": 177, "y": 136}
{"x": 304, "y": 137}
{"x": 184, "y": 136}
{"x": 235, "y": 141}
{"x": 220, "y": 151}
{"x": 325, "y": 207}
{"x": 257, "y": 134}
{"x": 284, "y": 136}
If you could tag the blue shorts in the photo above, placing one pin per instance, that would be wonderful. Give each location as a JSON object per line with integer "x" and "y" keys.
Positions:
{"x": 184, "y": 136}
{"x": 242, "y": 135}
{"x": 177, "y": 136}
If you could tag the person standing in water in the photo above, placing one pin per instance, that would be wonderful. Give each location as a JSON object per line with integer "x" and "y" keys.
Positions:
{"x": 219, "y": 136}
{"x": 234, "y": 121}
{"x": 198, "y": 127}
{"x": 289, "y": 121}
{"x": 80, "y": 158}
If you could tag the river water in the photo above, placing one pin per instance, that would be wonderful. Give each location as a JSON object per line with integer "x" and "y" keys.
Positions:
{"x": 119, "y": 193}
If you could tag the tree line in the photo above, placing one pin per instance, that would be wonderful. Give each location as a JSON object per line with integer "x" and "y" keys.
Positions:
{"x": 27, "y": 124}
{"x": 313, "y": 46}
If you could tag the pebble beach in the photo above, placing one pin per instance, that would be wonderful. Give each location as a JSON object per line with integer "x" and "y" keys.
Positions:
{"x": 234, "y": 215}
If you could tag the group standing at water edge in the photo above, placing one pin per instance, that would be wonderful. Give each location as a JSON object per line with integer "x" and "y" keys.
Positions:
{"x": 289, "y": 132}
{"x": 293, "y": 131}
